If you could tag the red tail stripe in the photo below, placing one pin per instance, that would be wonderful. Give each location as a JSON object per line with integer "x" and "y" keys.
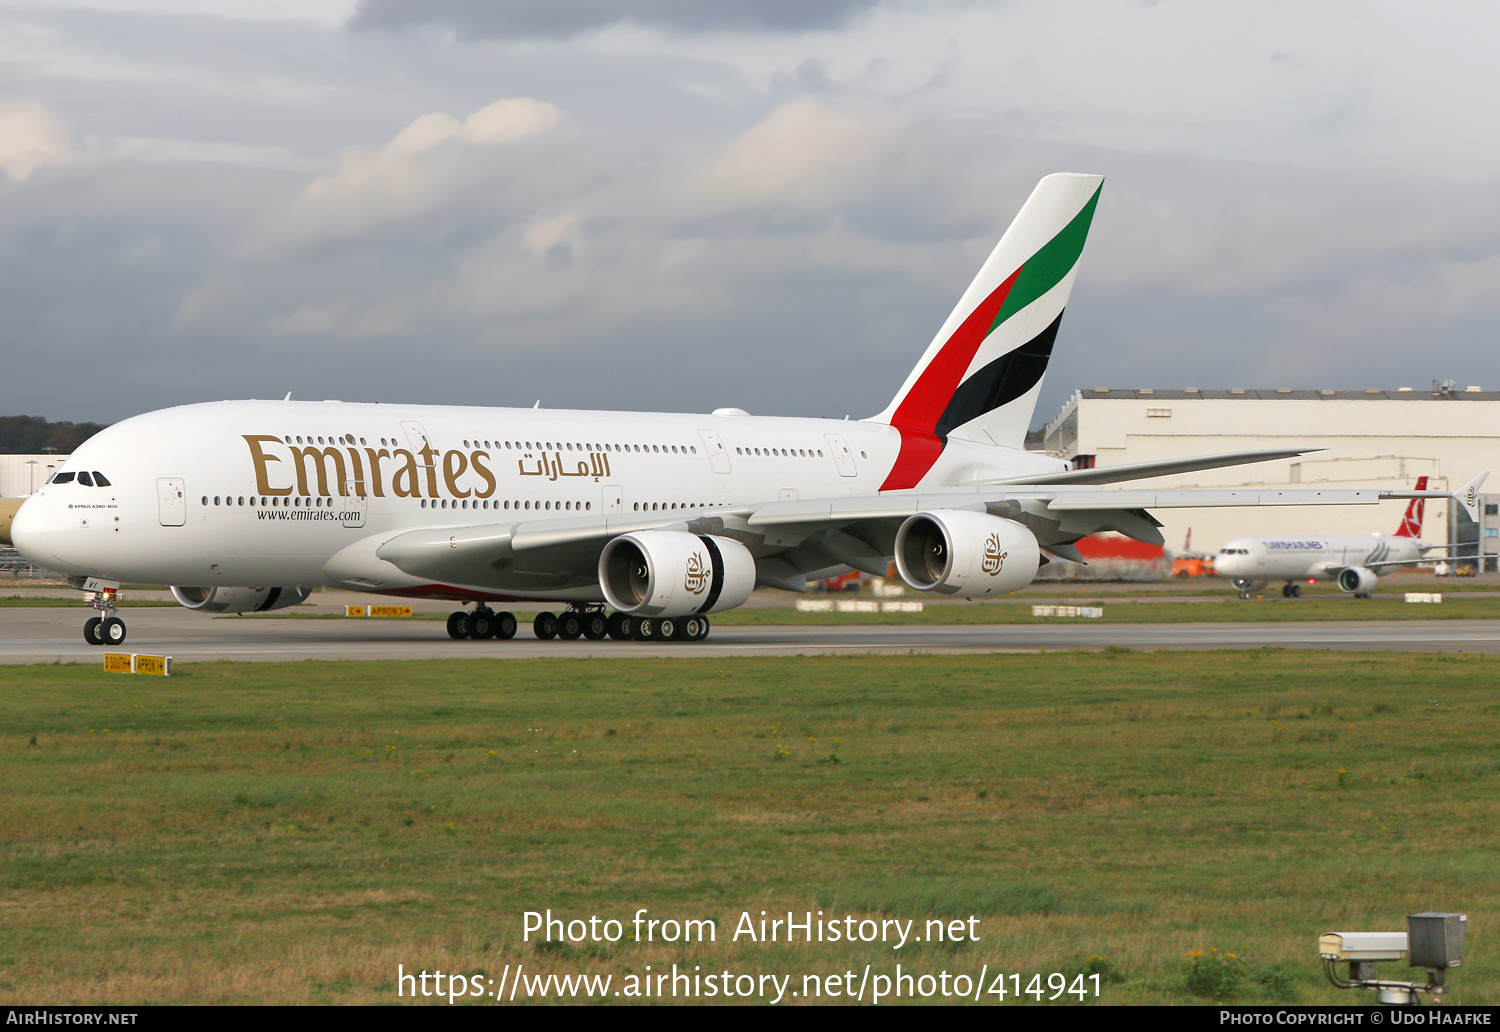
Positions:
{"x": 920, "y": 449}
{"x": 917, "y": 415}
{"x": 925, "y": 402}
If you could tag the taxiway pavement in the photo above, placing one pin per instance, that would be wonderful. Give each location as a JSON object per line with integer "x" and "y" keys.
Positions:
{"x": 48, "y": 635}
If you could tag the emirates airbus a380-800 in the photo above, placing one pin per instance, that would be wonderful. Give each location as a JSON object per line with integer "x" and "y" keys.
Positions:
{"x": 249, "y": 505}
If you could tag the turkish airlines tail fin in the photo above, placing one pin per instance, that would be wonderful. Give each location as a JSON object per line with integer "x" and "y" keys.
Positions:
{"x": 979, "y": 378}
{"x": 1411, "y": 523}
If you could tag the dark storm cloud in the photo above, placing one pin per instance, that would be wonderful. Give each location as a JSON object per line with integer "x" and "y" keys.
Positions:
{"x": 563, "y": 18}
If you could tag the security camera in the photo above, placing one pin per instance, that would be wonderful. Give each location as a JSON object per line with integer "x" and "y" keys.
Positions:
{"x": 1432, "y": 941}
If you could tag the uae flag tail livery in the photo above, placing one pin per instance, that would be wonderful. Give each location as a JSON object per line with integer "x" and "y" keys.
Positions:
{"x": 980, "y": 377}
{"x": 1411, "y": 523}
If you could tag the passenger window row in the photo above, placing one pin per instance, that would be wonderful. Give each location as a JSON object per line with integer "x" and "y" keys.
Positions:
{"x": 484, "y": 503}
{"x": 659, "y": 506}
{"x": 660, "y": 449}
{"x": 320, "y": 503}
{"x": 791, "y": 453}
{"x": 345, "y": 439}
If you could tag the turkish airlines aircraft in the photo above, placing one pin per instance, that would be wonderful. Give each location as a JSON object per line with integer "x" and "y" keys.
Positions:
{"x": 1355, "y": 562}
{"x": 249, "y": 505}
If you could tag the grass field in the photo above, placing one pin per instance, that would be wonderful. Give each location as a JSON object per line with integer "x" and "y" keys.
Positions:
{"x": 288, "y": 833}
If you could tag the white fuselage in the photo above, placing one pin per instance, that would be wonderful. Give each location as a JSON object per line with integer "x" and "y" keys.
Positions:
{"x": 254, "y": 493}
{"x": 1312, "y": 558}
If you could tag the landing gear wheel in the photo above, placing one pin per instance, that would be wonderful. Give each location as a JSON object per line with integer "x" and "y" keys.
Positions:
{"x": 641, "y": 628}
{"x": 91, "y": 630}
{"x": 595, "y": 627}
{"x": 458, "y": 625}
{"x": 570, "y": 626}
{"x": 694, "y": 628}
{"x": 112, "y": 630}
{"x": 545, "y": 626}
{"x": 481, "y": 624}
{"x": 667, "y": 629}
{"x": 1286, "y": 591}
{"x": 505, "y": 625}
{"x": 703, "y": 629}
{"x": 620, "y": 627}
{"x": 1296, "y": 591}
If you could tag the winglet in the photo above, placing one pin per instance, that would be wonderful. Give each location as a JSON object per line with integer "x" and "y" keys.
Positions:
{"x": 1468, "y": 495}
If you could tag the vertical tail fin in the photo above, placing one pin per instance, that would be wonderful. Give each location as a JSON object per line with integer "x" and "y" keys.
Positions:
{"x": 979, "y": 378}
{"x": 1411, "y": 523}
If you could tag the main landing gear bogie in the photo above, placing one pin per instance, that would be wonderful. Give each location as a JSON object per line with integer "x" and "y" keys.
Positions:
{"x": 1291, "y": 591}
{"x": 587, "y": 622}
{"x": 480, "y": 625}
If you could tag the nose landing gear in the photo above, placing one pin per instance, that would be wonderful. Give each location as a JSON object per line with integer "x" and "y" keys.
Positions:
{"x": 108, "y": 629}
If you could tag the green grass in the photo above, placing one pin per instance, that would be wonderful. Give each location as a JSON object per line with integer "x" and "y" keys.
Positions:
{"x": 289, "y": 833}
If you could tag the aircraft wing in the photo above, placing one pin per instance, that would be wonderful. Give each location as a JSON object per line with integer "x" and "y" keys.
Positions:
{"x": 797, "y": 540}
{"x": 1160, "y": 468}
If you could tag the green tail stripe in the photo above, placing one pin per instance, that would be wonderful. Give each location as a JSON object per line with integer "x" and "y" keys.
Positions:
{"x": 1045, "y": 269}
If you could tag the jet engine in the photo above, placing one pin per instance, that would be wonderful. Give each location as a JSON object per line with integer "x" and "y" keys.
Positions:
{"x": 1359, "y": 581}
{"x": 968, "y": 554}
{"x": 674, "y": 573}
{"x": 239, "y": 600}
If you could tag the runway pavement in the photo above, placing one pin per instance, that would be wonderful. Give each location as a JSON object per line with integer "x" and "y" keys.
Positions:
{"x": 55, "y": 635}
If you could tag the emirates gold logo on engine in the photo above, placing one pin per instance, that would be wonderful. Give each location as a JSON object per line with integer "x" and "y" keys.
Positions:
{"x": 994, "y": 559}
{"x": 697, "y": 574}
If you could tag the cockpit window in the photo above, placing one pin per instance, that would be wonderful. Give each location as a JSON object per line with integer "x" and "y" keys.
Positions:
{"x": 85, "y": 479}
{"x": 101, "y": 480}
{"x": 63, "y": 478}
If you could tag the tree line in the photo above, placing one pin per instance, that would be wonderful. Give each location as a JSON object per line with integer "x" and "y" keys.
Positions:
{"x": 32, "y": 435}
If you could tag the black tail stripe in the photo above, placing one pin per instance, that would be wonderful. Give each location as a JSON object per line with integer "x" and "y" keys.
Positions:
{"x": 1004, "y": 380}
{"x": 717, "y": 584}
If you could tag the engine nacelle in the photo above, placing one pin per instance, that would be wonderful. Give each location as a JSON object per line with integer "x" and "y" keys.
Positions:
{"x": 968, "y": 554}
{"x": 239, "y": 600}
{"x": 674, "y": 573}
{"x": 1357, "y": 580}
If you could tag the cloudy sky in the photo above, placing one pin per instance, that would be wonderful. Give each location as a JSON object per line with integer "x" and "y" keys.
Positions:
{"x": 683, "y": 204}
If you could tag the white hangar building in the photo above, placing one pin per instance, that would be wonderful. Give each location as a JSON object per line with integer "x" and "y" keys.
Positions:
{"x": 1366, "y": 439}
{"x": 22, "y": 474}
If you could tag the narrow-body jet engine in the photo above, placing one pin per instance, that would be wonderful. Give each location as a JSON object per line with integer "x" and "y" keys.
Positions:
{"x": 239, "y": 600}
{"x": 966, "y": 554}
{"x": 1359, "y": 581}
{"x": 674, "y": 573}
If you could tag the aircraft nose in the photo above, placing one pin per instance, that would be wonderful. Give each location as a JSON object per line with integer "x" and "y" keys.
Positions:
{"x": 26, "y": 528}
{"x": 40, "y": 537}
